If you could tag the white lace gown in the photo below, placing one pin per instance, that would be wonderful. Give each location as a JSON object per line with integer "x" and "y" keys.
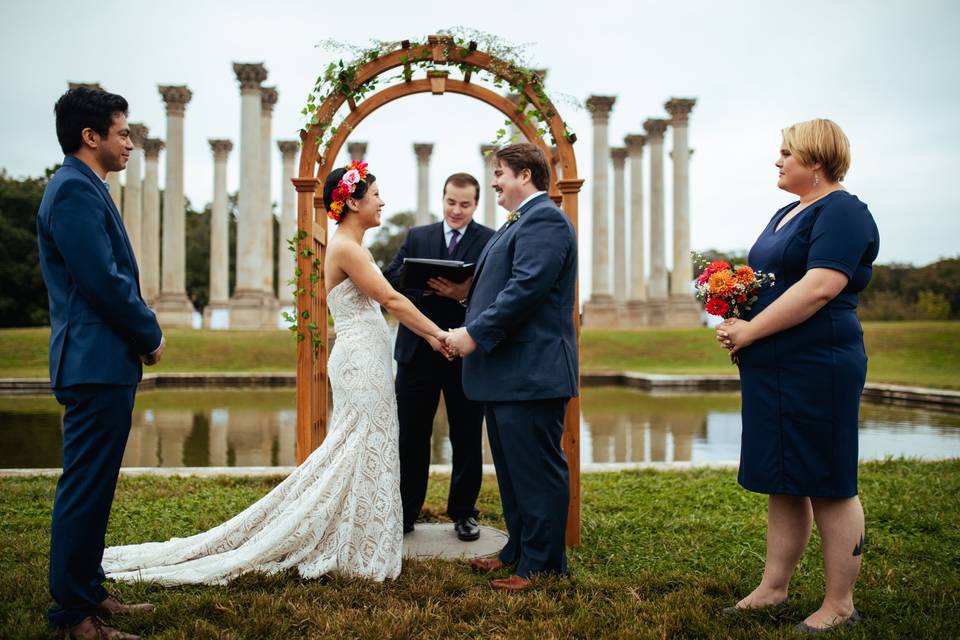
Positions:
{"x": 339, "y": 511}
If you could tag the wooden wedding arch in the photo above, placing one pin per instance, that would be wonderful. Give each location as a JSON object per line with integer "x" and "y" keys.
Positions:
{"x": 316, "y": 163}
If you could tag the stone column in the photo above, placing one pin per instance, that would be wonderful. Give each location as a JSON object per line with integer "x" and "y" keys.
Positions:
{"x": 357, "y": 151}
{"x": 423, "y": 152}
{"x": 679, "y": 110}
{"x": 268, "y": 98}
{"x": 619, "y": 157}
{"x": 173, "y": 307}
{"x": 215, "y": 316}
{"x": 600, "y": 107}
{"x": 684, "y": 310}
{"x": 635, "y": 268}
{"x": 113, "y": 181}
{"x": 657, "y": 288}
{"x": 150, "y": 226}
{"x": 253, "y": 305}
{"x": 488, "y": 195}
{"x": 288, "y": 220}
{"x": 133, "y": 199}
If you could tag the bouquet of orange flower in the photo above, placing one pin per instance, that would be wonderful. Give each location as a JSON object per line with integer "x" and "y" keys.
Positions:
{"x": 727, "y": 291}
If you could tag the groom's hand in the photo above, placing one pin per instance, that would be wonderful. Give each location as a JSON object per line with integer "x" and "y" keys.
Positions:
{"x": 450, "y": 289}
{"x": 461, "y": 342}
{"x": 153, "y": 358}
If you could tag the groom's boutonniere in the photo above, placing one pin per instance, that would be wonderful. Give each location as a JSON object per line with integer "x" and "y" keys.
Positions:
{"x": 512, "y": 217}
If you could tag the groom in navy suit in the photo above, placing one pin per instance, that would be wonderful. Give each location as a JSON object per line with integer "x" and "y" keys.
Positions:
{"x": 101, "y": 333}
{"x": 422, "y": 373}
{"x": 520, "y": 360}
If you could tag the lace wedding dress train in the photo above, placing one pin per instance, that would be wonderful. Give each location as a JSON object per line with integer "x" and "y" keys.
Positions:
{"x": 337, "y": 512}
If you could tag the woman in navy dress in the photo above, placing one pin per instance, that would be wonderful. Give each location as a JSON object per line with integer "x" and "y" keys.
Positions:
{"x": 802, "y": 369}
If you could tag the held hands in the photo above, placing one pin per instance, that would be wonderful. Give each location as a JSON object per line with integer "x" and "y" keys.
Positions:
{"x": 438, "y": 344}
{"x": 460, "y": 342}
{"x": 153, "y": 358}
{"x": 734, "y": 334}
{"x": 450, "y": 289}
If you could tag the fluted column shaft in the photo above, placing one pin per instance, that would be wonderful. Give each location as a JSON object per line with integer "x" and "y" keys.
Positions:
{"x": 219, "y": 226}
{"x": 679, "y": 109}
{"x": 249, "y": 231}
{"x": 423, "y": 152}
{"x": 619, "y": 157}
{"x": 488, "y": 194}
{"x": 636, "y": 270}
{"x": 600, "y": 107}
{"x": 150, "y": 227}
{"x": 113, "y": 181}
{"x": 286, "y": 261}
{"x": 657, "y": 289}
{"x": 173, "y": 279}
{"x": 133, "y": 198}
{"x": 268, "y": 98}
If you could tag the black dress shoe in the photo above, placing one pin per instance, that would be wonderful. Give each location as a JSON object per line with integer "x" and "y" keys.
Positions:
{"x": 467, "y": 528}
{"x": 407, "y": 528}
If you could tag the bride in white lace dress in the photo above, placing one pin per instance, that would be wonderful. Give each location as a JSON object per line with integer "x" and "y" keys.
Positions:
{"x": 340, "y": 510}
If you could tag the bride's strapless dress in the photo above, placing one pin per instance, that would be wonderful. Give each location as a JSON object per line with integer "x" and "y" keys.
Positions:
{"x": 337, "y": 512}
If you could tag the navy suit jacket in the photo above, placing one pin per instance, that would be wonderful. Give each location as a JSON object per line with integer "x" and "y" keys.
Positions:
{"x": 428, "y": 241}
{"x": 520, "y": 311}
{"x": 99, "y": 323}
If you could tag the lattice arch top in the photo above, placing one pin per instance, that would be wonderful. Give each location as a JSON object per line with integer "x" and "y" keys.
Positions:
{"x": 316, "y": 162}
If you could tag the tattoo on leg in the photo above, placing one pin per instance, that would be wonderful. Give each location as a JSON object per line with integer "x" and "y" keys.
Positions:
{"x": 858, "y": 550}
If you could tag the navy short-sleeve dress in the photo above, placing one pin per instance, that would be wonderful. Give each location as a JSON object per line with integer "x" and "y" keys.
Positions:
{"x": 801, "y": 387}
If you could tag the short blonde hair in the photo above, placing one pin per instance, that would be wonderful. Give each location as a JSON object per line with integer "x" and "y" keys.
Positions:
{"x": 819, "y": 140}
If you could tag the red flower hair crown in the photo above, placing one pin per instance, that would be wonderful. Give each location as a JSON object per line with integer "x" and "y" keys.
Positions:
{"x": 356, "y": 173}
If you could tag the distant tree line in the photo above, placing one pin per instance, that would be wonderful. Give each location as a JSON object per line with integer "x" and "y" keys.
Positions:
{"x": 896, "y": 292}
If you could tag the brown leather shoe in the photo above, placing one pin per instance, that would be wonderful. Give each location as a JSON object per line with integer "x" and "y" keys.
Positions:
{"x": 486, "y": 565}
{"x": 111, "y": 606}
{"x": 93, "y": 628}
{"x": 512, "y": 584}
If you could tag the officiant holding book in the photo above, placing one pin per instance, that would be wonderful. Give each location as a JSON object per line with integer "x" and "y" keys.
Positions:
{"x": 422, "y": 373}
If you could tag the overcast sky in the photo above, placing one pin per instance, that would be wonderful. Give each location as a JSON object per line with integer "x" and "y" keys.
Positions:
{"x": 887, "y": 72}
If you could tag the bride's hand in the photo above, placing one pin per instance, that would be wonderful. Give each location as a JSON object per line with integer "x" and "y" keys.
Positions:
{"x": 441, "y": 347}
{"x": 735, "y": 334}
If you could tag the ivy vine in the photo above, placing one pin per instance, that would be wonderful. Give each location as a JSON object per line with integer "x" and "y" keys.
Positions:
{"x": 296, "y": 245}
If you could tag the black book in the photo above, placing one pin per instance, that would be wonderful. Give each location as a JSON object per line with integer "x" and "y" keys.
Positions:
{"x": 416, "y": 271}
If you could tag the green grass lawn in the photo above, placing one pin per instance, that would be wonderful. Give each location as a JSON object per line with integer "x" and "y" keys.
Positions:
{"x": 662, "y": 552}
{"x": 923, "y": 354}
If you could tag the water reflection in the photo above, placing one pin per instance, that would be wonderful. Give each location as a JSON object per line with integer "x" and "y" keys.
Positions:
{"x": 258, "y": 428}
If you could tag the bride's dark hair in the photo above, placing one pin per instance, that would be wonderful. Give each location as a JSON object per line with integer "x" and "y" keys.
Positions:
{"x": 330, "y": 184}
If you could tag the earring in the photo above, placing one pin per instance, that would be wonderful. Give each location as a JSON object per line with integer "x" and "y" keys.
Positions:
{"x": 816, "y": 179}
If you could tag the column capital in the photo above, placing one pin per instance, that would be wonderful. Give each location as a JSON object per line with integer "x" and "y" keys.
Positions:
{"x": 268, "y": 98}
{"x": 655, "y": 128}
{"x": 152, "y": 147}
{"x": 288, "y": 147}
{"x": 138, "y": 133}
{"x": 619, "y": 156}
{"x": 176, "y": 98}
{"x": 250, "y": 75}
{"x": 423, "y": 151}
{"x": 357, "y": 150}
{"x": 221, "y": 148}
{"x": 634, "y": 142}
{"x": 85, "y": 85}
{"x": 600, "y": 107}
{"x": 541, "y": 73}
{"x": 679, "y": 109}
{"x": 487, "y": 149}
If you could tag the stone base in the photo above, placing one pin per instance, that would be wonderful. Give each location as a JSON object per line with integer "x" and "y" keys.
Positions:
{"x": 216, "y": 315}
{"x": 601, "y": 313}
{"x": 668, "y": 312}
{"x": 174, "y": 310}
{"x": 253, "y": 310}
{"x": 439, "y": 540}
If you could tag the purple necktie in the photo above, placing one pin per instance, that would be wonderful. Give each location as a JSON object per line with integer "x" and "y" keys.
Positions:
{"x": 454, "y": 236}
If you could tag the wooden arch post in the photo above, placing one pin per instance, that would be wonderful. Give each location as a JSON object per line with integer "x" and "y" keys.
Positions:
{"x": 312, "y": 383}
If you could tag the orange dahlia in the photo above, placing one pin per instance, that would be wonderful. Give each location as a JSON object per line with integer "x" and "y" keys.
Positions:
{"x": 722, "y": 283}
{"x": 745, "y": 276}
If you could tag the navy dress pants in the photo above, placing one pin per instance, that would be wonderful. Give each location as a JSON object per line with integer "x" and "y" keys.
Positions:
{"x": 534, "y": 482}
{"x": 96, "y": 423}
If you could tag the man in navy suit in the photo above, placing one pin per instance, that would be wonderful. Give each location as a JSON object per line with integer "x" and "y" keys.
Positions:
{"x": 520, "y": 359}
{"x": 101, "y": 333}
{"x": 422, "y": 372}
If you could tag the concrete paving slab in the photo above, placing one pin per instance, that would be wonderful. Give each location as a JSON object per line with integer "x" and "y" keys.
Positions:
{"x": 434, "y": 540}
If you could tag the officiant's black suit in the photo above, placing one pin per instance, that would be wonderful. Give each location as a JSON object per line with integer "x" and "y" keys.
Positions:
{"x": 422, "y": 374}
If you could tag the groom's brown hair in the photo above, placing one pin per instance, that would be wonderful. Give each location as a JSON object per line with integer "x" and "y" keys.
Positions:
{"x": 524, "y": 155}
